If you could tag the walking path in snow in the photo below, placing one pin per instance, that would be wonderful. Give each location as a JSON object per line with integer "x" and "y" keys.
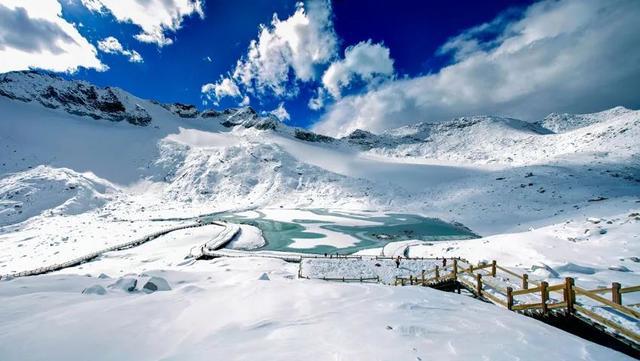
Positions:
{"x": 220, "y": 240}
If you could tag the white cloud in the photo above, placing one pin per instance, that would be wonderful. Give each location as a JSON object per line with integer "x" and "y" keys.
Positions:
{"x": 154, "y": 17}
{"x": 225, "y": 87}
{"x": 111, "y": 45}
{"x": 569, "y": 55}
{"x": 318, "y": 100}
{"x": 365, "y": 61}
{"x": 281, "y": 112}
{"x": 33, "y": 34}
{"x": 288, "y": 50}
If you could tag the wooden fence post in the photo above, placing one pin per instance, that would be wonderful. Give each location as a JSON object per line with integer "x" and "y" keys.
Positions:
{"x": 525, "y": 281}
{"x": 479, "y": 284}
{"x": 569, "y": 294}
{"x": 437, "y": 274}
{"x": 455, "y": 269}
{"x": 493, "y": 268}
{"x": 544, "y": 295}
{"x": 616, "y": 296}
{"x": 423, "y": 282}
{"x": 444, "y": 262}
{"x": 509, "y": 298}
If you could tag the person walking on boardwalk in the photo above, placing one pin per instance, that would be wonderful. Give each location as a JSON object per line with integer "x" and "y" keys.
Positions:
{"x": 398, "y": 262}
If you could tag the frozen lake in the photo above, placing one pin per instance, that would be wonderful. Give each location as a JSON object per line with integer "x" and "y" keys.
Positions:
{"x": 329, "y": 231}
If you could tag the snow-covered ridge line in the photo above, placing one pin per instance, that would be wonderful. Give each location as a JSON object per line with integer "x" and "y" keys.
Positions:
{"x": 560, "y": 123}
{"x": 118, "y": 247}
{"x": 75, "y": 97}
{"x": 85, "y": 99}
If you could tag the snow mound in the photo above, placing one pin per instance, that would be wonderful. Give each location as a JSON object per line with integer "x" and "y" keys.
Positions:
{"x": 94, "y": 290}
{"x": 574, "y": 268}
{"x": 75, "y": 97}
{"x": 126, "y": 284}
{"x": 156, "y": 284}
{"x": 58, "y": 191}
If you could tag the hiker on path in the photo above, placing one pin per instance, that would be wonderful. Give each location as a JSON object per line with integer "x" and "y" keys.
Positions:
{"x": 398, "y": 262}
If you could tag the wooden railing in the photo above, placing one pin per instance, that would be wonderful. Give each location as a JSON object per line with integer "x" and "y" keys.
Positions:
{"x": 518, "y": 293}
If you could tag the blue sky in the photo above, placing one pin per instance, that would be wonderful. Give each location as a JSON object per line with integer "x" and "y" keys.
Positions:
{"x": 176, "y": 73}
{"x": 336, "y": 66}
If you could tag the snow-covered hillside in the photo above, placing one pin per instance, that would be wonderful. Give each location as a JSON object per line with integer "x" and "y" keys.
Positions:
{"x": 83, "y": 168}
{"x": 489, "y": 139}
{"x": 560, "y": 123}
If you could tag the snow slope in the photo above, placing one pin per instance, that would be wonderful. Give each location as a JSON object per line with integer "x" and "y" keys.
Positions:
{"x": 254, "y": 309}
{"x": 560, "y": 123}
{"x": 79, "y": 172}
{"x": 53, "y": 190}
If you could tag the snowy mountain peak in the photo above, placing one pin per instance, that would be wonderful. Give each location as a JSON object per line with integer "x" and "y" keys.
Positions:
{"x": 563, "y": 122}
{"x": 113, "y": 104}
{"x": 246, "y": 117}
{"x": 475, "y": 123}
{"x": 75, "y": 97}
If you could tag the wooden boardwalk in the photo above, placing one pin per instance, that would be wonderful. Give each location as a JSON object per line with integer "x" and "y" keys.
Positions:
{"x": 600, "y": 315}
{"x": 602, "y": 308}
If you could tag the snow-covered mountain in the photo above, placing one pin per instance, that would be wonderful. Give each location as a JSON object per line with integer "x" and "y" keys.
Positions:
{"x": 487, "y": 139}
{"x": 236, "y": 159}
{"x": 84, "y": 168}
{"x": 75, "y": 97}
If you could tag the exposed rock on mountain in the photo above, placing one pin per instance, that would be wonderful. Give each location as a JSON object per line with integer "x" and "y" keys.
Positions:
{"x": 246, "y": 117}
{"x": 182, "y": 110}
{"x": 75, "y": 97}
{"x": 311, "y": 136}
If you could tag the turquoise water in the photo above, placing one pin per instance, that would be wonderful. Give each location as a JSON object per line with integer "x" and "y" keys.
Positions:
{"x": 392, "y": 227}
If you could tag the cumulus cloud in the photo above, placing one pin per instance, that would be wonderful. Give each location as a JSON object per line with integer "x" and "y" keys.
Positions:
{"x": 111, "y": 45}
{"x": 281, "y": 112}
{"x": 568, "y": 55}
{"x": 365, "y": 61}
{"x": 287, "y": 51}
{"x": 154, "y": 17}
{"x": 224, "y": 88}
{"x": 33, "y": 34}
